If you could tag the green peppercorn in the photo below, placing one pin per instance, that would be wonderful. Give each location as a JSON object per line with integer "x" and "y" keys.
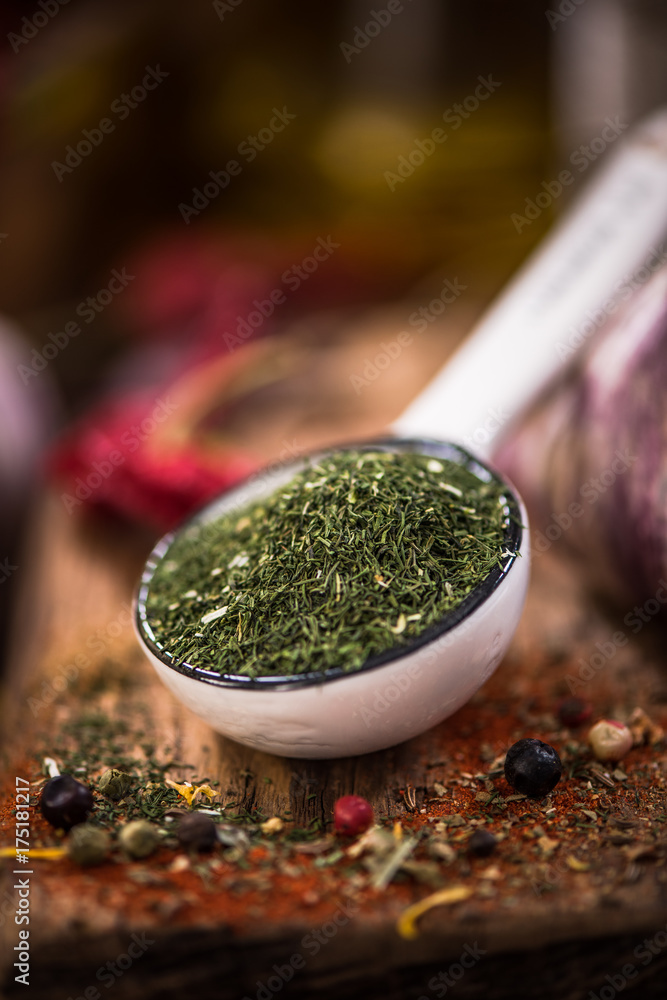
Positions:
{"x": 139, "y": 838}
{"x": 87, "y": 844}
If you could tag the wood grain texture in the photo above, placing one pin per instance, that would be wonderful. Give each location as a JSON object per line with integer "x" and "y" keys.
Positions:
{"x": 77, "y": 601}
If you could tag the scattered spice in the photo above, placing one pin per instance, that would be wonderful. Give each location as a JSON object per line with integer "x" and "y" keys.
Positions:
{"x": 386, "y": 869}
{"x": 644, "y": 729}
{"x": 441, "y": 850}
{"x": 610, "y": 821}
{"x": 410, "y": 799}
{"x": 360, "y": 552}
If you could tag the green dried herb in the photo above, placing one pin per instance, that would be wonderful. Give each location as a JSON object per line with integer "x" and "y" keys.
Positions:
{"x": 360, "y": 552}
{"x": 115, "y": 784}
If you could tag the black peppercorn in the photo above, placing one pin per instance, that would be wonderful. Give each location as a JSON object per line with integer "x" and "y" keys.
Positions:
{"x": 64, "y": 802}
{"x": 533, "y": 768}
{"x": 482, "y": 843}
{"x": 197, "y": 832}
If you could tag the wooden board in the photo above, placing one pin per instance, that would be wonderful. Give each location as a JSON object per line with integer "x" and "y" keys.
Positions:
{"x": 557, "y": 943}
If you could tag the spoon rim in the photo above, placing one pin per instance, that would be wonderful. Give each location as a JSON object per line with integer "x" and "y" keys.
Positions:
{"x": 431, "y": 447}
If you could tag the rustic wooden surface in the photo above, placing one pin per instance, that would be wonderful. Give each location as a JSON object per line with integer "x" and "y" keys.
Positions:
{"x": 83, "y": 580}
{"x": 79, "y": 576}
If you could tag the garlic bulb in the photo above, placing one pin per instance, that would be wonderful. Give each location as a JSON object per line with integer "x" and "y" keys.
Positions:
{"x": 591, "y": 458}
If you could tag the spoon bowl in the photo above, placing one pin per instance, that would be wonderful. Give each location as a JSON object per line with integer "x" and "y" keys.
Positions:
{"x": 578, "y": 272}
{"x": 393, "y": 696}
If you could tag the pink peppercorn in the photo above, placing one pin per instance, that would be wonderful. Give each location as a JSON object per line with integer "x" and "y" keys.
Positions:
{"x": 610, "y": 740}
{"x": 352, "y": 815}
{"x": 574, "y": 712}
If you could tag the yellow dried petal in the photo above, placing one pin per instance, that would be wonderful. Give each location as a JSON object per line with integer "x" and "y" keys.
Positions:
{"x": 406, "y": 925}
{"x": 191, "y": 793}
{"x": 50, "y": 853}
{"x": 204, "y": 791}
{"x": 187, "y": 790}
{"x": 272, "y": 825}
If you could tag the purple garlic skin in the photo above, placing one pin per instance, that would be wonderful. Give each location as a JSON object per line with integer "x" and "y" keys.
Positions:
{"x": 590, "y": 458}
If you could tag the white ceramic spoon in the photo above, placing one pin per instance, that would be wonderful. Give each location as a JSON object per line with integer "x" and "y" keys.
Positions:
{"x": 614, "y": 229}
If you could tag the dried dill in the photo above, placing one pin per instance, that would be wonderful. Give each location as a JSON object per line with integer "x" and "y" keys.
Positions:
{"x": 360, "y": 552}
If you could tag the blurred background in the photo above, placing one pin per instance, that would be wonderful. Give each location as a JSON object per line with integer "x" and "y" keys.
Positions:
{"x": 213, "y": 216}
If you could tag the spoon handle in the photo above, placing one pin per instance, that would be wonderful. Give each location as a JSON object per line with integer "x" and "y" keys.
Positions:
{"x": 609, "y": 241}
